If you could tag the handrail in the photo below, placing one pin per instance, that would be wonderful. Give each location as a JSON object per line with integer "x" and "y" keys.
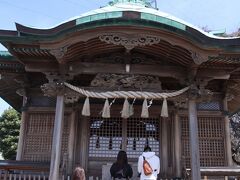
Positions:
{"x": 219, "y": 171}
{"x": 24, "y": 165}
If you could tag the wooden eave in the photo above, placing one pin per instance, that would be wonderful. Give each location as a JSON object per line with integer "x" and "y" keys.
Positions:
{"x": 32, "y": 47}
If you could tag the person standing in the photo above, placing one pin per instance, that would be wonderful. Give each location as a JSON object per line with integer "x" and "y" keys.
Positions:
{"x": 152, "y": 160}
{"x": 121, "y": 169}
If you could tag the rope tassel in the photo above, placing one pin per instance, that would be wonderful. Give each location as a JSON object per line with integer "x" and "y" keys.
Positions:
{"x": 145, "y": 113}
{"x": 126, "y": 109}
{"x": 86, "y": 108}
{"x": 164, "y": 112}
{"x": 106, "y": 110}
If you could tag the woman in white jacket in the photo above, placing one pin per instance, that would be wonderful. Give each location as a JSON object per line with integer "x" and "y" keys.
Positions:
{"x": 154, "y": 162}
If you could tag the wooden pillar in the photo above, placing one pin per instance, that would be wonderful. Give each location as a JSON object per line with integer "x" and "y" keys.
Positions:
{"x": 227, "y": 135}
{"x": 177, "y": 142}
{"x": 71, "y": 142}
{"x": 164, "y": 147}
{"x": 57, "y": 139}
{"x": 84, "y": 141}
{"x": 194, "y": 142}
{"x": 22, "y": 92}
{"x": 21, "y": 135}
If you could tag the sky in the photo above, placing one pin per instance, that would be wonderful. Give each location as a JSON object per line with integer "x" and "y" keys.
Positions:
{"x": 212, "y": 14}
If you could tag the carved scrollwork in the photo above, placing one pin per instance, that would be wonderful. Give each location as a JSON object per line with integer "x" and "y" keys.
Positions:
{"x": 129, "y": 41}
{"x": 53, "y": 89}
{"x": 198, "y": 58}
{"x": 57, "y": 77}
{"x": 229, "y": 96}
{"x": 59, "y": 53}
{"x": 181, "y": 104}
{"x": 71, "y": 97}
{"x": 126, "y": 81}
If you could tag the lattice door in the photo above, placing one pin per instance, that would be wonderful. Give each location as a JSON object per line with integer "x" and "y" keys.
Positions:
{"x": 38, "y": 136}
{"x": 107, "y": 136}
{"x": 211, "y": 141}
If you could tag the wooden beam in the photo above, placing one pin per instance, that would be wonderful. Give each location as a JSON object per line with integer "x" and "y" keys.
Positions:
{"x": 213, "y": 73}
{"x": 194, "y": 144}
{"x": 57, "y": 139}
{"x": 41, "y": 67}
{"x": 162, "y": 71}
{"x": 94, "y": 68}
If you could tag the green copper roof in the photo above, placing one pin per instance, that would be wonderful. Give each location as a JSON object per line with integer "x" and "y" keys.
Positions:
{"x": 146, "y": 3}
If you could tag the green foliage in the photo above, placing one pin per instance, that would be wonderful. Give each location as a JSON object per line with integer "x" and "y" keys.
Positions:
{"x": 9, "y": 132}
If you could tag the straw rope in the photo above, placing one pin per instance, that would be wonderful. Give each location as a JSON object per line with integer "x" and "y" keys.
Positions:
{"x": 125, "y": 94}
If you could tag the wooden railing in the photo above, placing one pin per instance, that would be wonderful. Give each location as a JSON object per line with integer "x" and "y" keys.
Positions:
{"x": 218, "y": 173}
{"x": 23, "y": 170}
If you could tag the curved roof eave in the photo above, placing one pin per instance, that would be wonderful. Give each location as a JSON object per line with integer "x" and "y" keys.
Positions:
{"x": 146, "y": 17}
{"x": 122, "y": 7}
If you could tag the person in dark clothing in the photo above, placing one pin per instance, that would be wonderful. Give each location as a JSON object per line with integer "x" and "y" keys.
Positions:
{"x": 121, "y": 169}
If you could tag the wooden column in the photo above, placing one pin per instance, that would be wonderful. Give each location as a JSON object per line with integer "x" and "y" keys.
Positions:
{"x": 71, "y": 142}
{"x": 164, "y": 147}
{"x": 22, "y": 92}
{"x": 194, "y": 144}
{"x": 177, "y": 142}
{"x": 84, "y": 141}
{"x": 21, "y": 135}
{"x": 227, "y": 135}
{"x": 57, "y": 139}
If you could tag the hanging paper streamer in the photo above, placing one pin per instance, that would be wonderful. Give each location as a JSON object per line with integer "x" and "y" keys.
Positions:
{"x": 106, "y": 110}
{"x": 145, "y": 113}
{"x": 86, "y": 108}
{"x": 131, "y": 108}
{"x": 164, "y": 112}
{"x": 126, "y": 94}
{"x": 126, "y": 110}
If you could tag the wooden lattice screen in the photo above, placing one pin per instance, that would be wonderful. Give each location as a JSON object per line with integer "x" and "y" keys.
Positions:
{"x": 38, "y": 136}
{"x": 211, "y": 141}
{"x": 107, "y": 136}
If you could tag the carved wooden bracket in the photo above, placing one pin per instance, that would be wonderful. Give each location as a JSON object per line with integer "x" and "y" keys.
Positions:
{"x": 53, "y": 89}
{"x": 22, "y": 92}
{"x": 59, "y": 53}
{"x": 71, "y": 97}
{"x": 129, "y": 41}
{"x": 57, "y": 77}
{"x": 198, "y": 58}
{"x": 180, "y": 104}
{"x": 199, "y": 93}
{"x": 229, "y": 96}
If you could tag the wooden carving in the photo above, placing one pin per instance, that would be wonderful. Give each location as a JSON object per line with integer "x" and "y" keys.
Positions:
{"x": 59, "y": 53}
{"x": 198, "y": 58}
{"x": 126, "y": 81}
{"x": 129, "y": 41}
{"x": 71, "y": 97}
{"x": 57, "y": 77}
{"x": 53, "y": 89}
